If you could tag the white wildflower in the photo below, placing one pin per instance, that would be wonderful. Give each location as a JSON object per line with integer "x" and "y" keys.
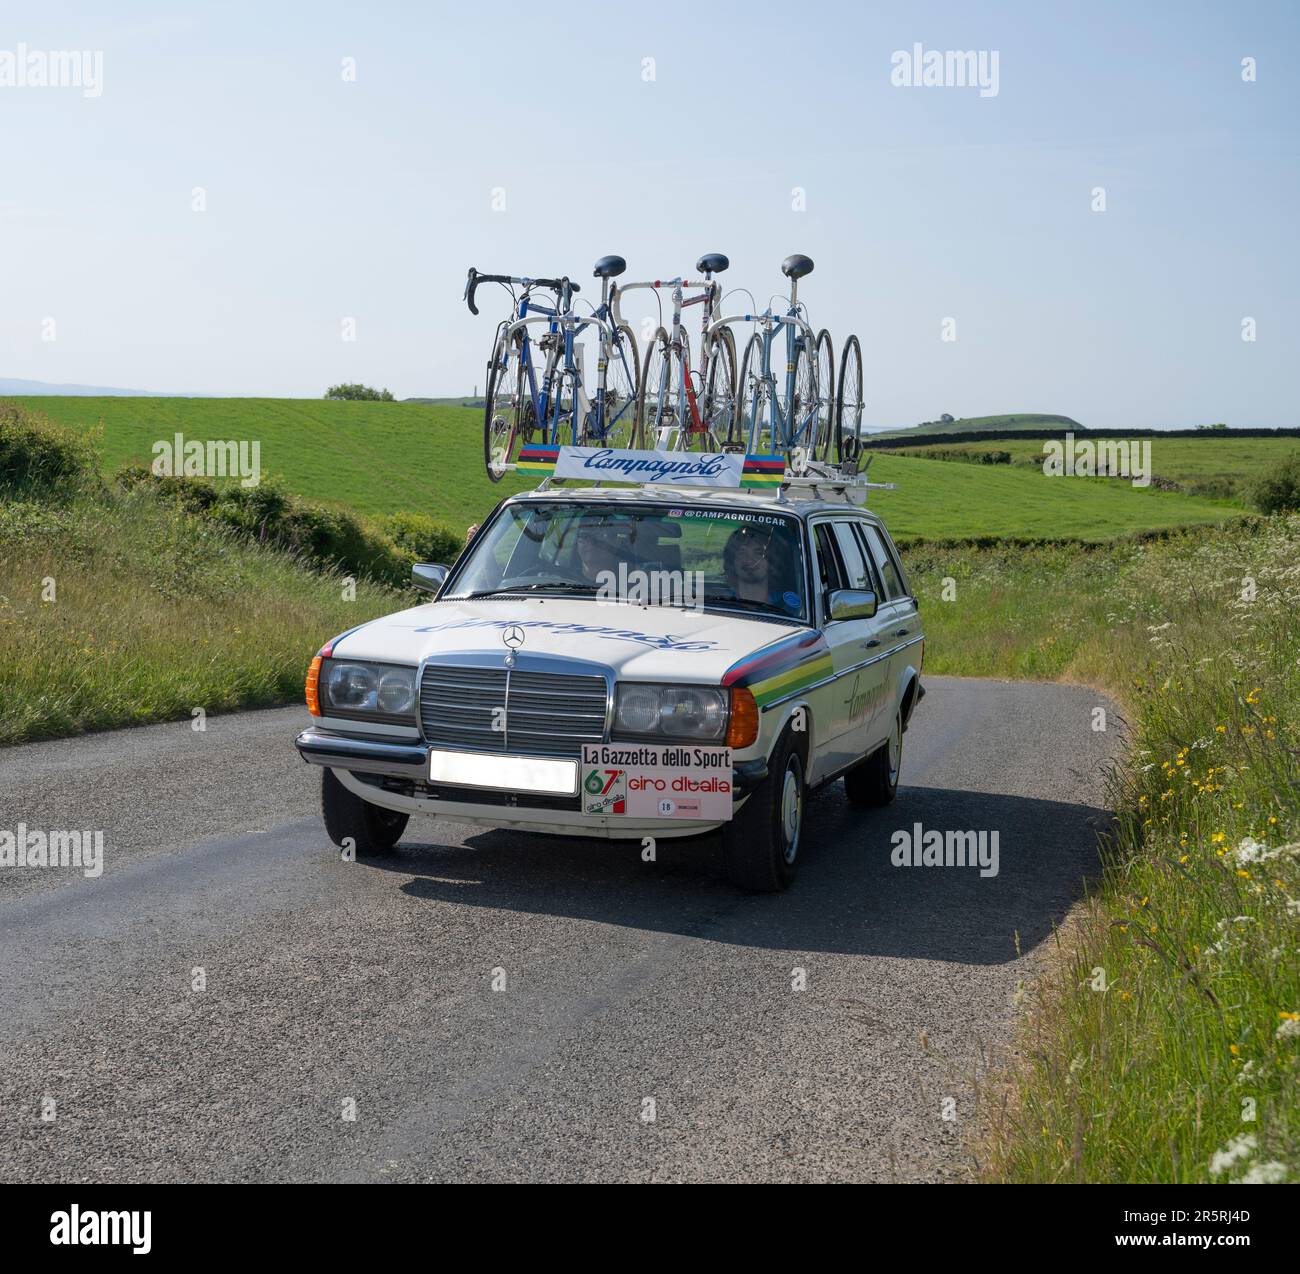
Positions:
{"x": 1289, "y": 1030}
{"x": 1238, "y": 1148}
{"x": 1264, "y": 1174}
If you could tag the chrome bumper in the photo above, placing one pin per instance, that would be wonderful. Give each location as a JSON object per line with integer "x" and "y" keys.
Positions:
{"x": 411, "y": 760}
{"x": 364, "y": 756}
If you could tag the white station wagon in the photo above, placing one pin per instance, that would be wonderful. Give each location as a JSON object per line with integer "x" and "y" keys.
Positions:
{"x": 630, "y": 663}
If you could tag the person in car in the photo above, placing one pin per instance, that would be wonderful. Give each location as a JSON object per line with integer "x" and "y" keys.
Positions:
{"x": 756, "y": 567}
{"x": 601, "y": 545}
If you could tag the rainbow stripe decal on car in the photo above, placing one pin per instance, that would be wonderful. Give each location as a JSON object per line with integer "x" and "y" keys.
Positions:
{"x": 763, "y": 471}
{"x": 537, "y": 459}
{"x": 782, "y": 669}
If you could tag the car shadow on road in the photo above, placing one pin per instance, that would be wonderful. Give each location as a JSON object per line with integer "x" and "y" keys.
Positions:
{"x": 849, "y": 897}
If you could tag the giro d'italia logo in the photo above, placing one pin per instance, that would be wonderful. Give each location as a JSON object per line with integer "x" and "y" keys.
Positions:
{"x": 604, "y": 791}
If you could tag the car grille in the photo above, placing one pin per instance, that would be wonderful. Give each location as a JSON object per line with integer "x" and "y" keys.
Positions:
{"x": 546, "y": 714}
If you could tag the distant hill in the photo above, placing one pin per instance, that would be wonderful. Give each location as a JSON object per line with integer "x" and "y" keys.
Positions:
{"x": 29, "y": 387}
{"x": 978, "y": 424}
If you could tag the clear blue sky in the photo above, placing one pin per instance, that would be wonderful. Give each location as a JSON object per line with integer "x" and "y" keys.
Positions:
{"x": 370, "y": 199}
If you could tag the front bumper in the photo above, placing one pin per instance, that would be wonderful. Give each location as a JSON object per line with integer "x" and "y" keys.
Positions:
{"x": 395, "y": 774}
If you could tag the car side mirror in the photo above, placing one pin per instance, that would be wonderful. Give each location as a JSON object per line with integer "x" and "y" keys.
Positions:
{"x": 428, "y": 576}
{"x": 852, "y": 603}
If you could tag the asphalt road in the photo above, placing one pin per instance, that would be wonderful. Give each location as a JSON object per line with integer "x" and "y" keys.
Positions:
{"x": 372, "y": 983}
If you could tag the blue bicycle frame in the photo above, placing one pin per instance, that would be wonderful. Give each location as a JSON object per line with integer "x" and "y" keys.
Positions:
{"x": 546, "y": 401}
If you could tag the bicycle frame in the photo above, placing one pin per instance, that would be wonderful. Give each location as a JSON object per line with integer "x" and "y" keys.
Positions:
{"x": 679, "y": 342}
{"x": 790, "y": 432}
{"x": 565, "y": 361}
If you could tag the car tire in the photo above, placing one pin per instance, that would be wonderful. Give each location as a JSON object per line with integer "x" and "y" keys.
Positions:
{"x": 372, "y": 829}
{"x": 761, "y": 844}
{"x": 874, "y": 782}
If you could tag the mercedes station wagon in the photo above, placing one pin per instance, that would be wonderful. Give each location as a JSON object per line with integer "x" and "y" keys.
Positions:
{"x": 628, "y": 663}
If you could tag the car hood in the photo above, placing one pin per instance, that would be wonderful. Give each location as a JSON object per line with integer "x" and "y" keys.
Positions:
{"x": 638, "y": 642}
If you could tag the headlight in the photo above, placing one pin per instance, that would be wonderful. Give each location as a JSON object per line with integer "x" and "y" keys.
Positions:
{"x": 367, "y": 690}
{"x": 671, "y": 712}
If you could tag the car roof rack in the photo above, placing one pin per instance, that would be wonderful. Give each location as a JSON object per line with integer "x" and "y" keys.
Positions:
{"x": 760, "y": 477}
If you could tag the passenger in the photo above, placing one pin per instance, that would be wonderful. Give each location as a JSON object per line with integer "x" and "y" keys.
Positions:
{"x": 756, "y": 565}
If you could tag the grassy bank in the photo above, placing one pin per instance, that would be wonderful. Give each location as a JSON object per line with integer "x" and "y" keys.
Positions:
{"x": 1165, "y": 1045}
{"x": 118, "y": 611}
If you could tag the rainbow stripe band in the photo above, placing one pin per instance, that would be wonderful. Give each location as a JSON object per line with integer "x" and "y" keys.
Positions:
{"x": 537, "y": 459}
{"x": 763, "y": 471}
{"x": 783, "y": 668}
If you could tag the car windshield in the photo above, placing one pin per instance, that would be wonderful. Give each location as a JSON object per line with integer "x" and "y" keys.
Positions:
{"x": 657, "y": 555}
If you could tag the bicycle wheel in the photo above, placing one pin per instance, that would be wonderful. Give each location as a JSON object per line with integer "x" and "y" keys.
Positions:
{"x": 503, "y": 410}
{"x": 718, "y": 405}
{"x": 821, "y": 443}
{"x": 800, "y": 412}
{"x": 656, "y": 416}
{"x": 622, "y": 384}
{"x": 848, "y": 402}
{"x": 753, "y": 405}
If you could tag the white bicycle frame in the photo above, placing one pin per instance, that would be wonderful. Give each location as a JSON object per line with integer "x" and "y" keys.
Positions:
{"x": 669, "y": 437}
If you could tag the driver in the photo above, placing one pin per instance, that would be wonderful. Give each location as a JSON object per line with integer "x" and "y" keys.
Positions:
{"x": 602, "y": 543}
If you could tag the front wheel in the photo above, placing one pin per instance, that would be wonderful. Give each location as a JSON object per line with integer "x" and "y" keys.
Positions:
{"x": 761, "y": 844}
{"x": 820, "y": 448}
{"x": 874, "y": 782}
{"x": 508, "y": 416}
{"x": 848, "y": 402}
{"x": 371, "y": 828}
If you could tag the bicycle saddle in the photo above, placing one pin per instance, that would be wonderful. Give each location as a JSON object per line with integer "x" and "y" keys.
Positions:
{"x": 712, "y": 263}
{"x": 796, "y": 267}
{"x": 609, "y": 267}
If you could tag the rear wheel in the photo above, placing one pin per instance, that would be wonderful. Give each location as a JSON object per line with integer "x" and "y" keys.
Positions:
{"x": 761, "y": 844}
{"x": 371, "y": 828}
{"x": 821, "y": 445}
{"x": 875, "y": 781}
{"x": 801, "y": 411}
{"x": 848, "y": 402}
{"x": 657, "y": 419}
{"x": 718, "y": 406}
{"x": 753, "y": 411}
{"x": 622, "y": 381}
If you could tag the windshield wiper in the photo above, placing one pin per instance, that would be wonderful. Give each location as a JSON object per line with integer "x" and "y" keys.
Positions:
{"x": 748, "y": 603}
{"x": 559, "y": 586}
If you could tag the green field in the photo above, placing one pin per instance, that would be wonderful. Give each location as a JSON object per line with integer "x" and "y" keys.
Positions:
{"x": 392, "y": 457}
{"x": 370, "y": 457}
{"x": 1186, "y": 461}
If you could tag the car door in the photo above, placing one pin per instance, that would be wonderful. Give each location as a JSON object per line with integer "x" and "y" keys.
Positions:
{"x": 900, "y": 620}
{"x": 865, "y": 689}
{"x": 842, "y": 636}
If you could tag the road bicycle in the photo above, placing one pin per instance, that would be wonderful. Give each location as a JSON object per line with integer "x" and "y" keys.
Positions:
{"x": 680, "y": 408}
{"x": 795, "y": 416}
{"x": 520, "y": 408}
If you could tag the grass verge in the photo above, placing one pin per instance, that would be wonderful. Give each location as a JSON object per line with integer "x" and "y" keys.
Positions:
{"x": 122, "y": 610}
{"x": 1165, "y": 1043}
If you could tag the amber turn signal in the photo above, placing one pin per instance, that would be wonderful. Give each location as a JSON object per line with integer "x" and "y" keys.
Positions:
{"x": 313, "y": 682}
{"x": 742, "y": 729}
